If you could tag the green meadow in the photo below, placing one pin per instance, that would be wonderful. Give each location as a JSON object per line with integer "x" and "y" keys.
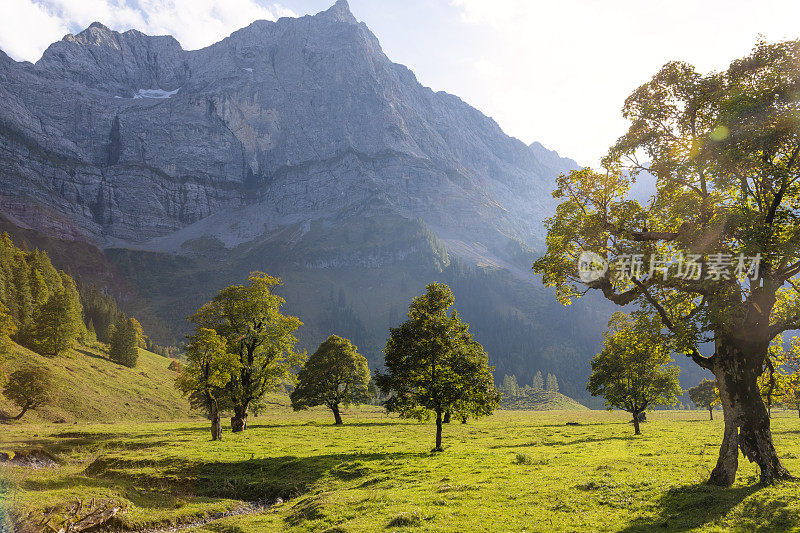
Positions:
{"x": 513, "y": 471}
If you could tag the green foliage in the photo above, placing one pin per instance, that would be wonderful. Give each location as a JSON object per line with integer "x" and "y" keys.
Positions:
{"x": 704, "y": 394}
{"x": 551, "y": 384}
{"x": 249, "y": 319}
{"x": 7, "y": 329}
{"x": 100, "y": 310}
{"x": 633, "y": 370}
{"x": 57, "y": 324}
{"x": 723, "y": 148}
{"x": 124, "y": 347}
{"x": 433, "y": 365}
{"x": 208, "y": 370}
{"x": 336, "y": 374}
{"x": 29, "y": 388}
{"x": 538, "y": 381}
{"x": 510, "y": 388}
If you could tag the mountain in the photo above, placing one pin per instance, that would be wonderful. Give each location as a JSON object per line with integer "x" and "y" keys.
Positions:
{"x": 295, "y": 147}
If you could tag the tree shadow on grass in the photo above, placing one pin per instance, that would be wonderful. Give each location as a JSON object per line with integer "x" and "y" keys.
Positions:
{"x": 278, "y": 477}
{"x": 693, "y": 506}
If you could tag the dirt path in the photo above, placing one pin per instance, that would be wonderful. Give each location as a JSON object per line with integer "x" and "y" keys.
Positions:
{"x": 250, "y": 508}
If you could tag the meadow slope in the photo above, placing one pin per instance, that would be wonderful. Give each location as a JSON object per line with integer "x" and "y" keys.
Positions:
{"x": 90, "y": 387}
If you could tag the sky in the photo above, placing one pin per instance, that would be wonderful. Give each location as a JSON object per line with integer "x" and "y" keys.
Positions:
{"x": 553, "y": 71}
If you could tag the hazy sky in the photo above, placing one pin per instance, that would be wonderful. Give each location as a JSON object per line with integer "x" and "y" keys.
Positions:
{"x": 553, "y": 71}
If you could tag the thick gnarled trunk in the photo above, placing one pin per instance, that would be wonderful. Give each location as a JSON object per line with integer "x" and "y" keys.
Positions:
{"x": 747, "y": 423}
{"x": 239, "y": 418}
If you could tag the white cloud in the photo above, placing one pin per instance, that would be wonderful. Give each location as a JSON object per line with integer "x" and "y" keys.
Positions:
{"x": 29, "y": 26}
{"x": 565, "y": 67}
{"x": 16, "y": 37}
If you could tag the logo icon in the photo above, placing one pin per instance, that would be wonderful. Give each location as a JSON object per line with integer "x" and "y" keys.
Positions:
{"x": 591, "y": 267}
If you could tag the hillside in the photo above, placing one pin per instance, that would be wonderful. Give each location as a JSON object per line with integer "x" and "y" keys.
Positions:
{"x": 89, "y": 387}
{"x": 543, "y": 401}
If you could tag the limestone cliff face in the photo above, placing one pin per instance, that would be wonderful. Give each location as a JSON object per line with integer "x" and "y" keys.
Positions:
{"x": 127, "y": 139}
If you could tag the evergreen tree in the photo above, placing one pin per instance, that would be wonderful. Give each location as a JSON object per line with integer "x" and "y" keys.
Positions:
{"x": 336, "y": 374}
{"x": 434, "y": 366}
{"x": 124, "y": 348}
{"x": 7, "y": 329}
{"x": 538, "y": 381}
{"x": 510, "y": 387}
{"x": 57, "y": 325}
{"x": 552, "y": 383}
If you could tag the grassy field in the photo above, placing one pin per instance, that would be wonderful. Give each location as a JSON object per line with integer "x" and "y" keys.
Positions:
{"x": 89, "y": 387}
{"x": 514, "y": 471}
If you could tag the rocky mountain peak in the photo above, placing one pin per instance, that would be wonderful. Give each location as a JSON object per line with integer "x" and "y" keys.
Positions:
{"x": 340, "y": 12}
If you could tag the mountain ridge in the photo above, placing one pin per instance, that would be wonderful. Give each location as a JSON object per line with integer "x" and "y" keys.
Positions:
{"x": 296, "y": 147}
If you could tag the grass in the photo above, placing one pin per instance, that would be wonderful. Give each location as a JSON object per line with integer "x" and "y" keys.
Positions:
{"x": 514, "y": 471}
{"x": 89, "y": 387}
{"x": 543, "y": 401}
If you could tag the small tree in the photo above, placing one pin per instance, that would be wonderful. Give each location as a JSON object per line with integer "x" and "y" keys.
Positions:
{"x": 58, "y": 324}
{"x": 633, "y": 370}
{"x": 552, "y": 383}
{"x": 510, "y": 387}
{"x": 209, "y": 367}
{"x": 792, "y": 366}
{"x": 336, "y": 374}
{"x": 705, "y": 395}
{"x": 124, "y": 347}
{"x": 538, "y": 382}
{"x": 29, "y": 388}
{"x": 433, "y": 365}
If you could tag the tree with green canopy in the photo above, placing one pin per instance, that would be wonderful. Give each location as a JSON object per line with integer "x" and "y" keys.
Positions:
{"x": 57, "y": 324}
{"x": 633, "y": 372}
{"x": 715, "y": 253}
{"x": 433, "y": 364}
{"x": 124, "y": 346}
{"x": 551, "y": 384}
{"x": 336, "y": 374}
{"x": 538, "y": 381}
{"x": 705, "y": 395}
{"x": 249, "y": 318}
{"x": 792, "y": 368}
{"x": 7, "y": 329}
{"x": 208, "y": 370}
{"x": 29, "y": 388}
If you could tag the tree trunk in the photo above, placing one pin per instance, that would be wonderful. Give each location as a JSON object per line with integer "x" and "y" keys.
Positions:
{"x": 711, "y": 413}
{"x": 239, "y": 418}
{"x": 438, "y": 431}
{"x": 747, "y": 422}
{"x": 22, "y": 413}
{"x": 636, "y": 430}
{"x": 216, "y": 423}
{"x": 446, "y": 417}
{"x": 337, "y": 417}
